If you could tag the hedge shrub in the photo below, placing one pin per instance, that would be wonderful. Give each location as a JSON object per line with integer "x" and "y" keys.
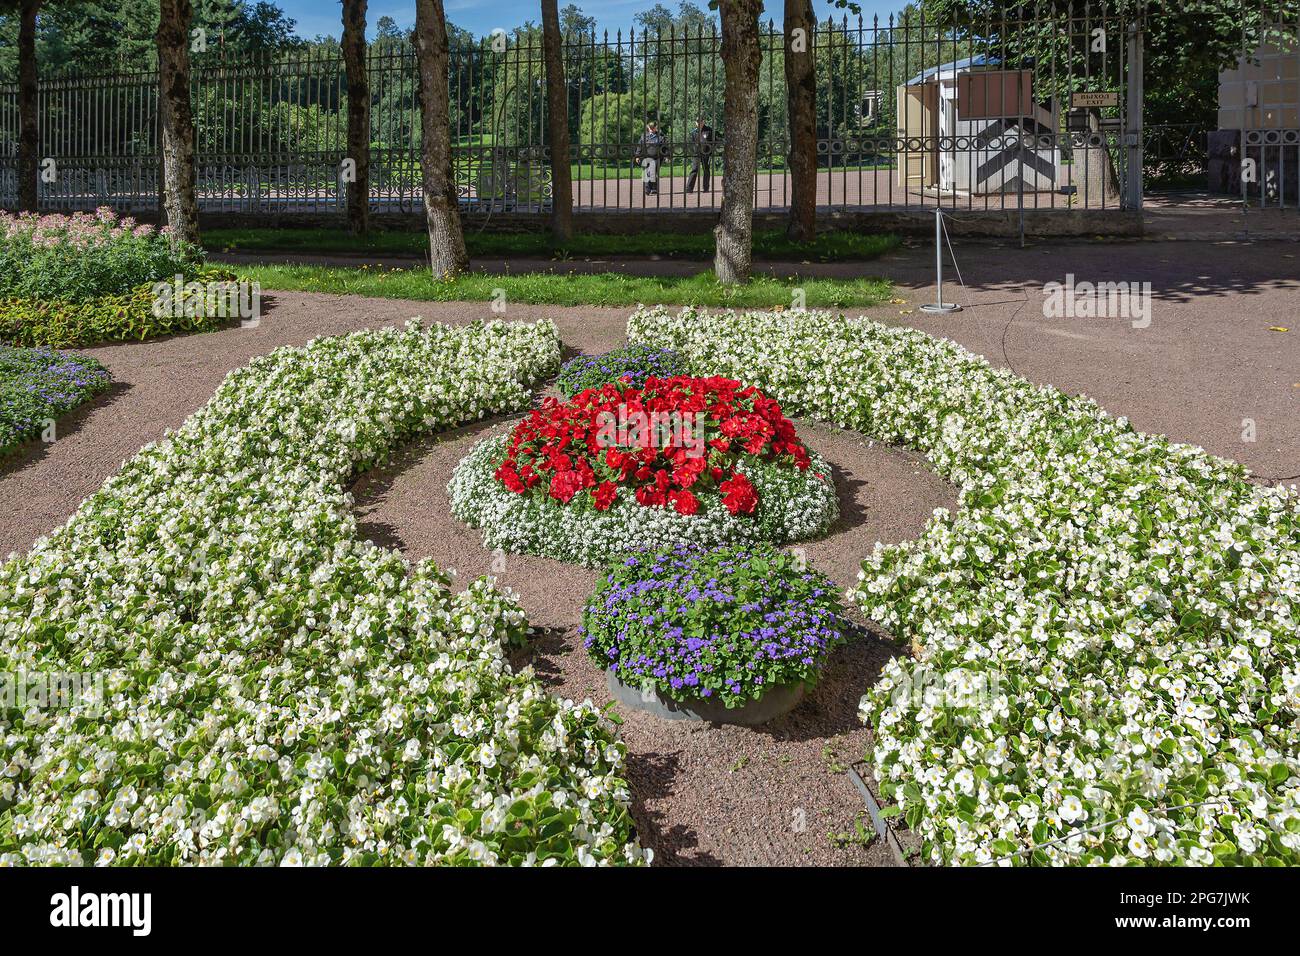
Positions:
{"x": 58, "y": 323}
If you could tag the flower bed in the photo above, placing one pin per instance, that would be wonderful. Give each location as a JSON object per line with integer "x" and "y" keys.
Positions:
{"x": 85, "y": 255}
{"x": 722, "y": 624}
{"x": 275, "y": 690}
{"x": 620, "y": 467}
{"x": 88, "y": 278}
{"x": 39, "y": 385}
{"x": 1107, "y": 667}
{"x": 125, "y": 317}
{"x": 633, "y": 364}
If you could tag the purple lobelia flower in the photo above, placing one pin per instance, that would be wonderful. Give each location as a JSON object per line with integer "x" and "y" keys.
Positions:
{"x": 721, "y": 623}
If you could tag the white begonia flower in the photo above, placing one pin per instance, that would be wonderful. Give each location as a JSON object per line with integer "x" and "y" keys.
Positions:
{"x": 1139, "y": 822}
{"x": 234, "y": 578}
{"x": 1146, "y": 588}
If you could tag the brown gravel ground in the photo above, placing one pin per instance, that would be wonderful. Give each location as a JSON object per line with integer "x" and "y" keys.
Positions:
{"x": 703, "y": 794}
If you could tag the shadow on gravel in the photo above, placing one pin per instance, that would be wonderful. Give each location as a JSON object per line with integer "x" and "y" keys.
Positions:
{"x": 852, "y": 513}
{"x": 831, "y": 708}
{"x": 374, "y": 486}
{"x": 651, "y": 776}
{"x": 33, "y": 451}
{"x": 545, "y": 645}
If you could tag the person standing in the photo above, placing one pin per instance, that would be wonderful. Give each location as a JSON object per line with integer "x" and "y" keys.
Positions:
{"x": 702, "y": 157}
{"x": 649, "y": 151}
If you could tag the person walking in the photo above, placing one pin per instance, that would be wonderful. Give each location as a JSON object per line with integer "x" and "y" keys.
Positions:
{"x": 702, "y": 157}
{"x": 648, "y": 153}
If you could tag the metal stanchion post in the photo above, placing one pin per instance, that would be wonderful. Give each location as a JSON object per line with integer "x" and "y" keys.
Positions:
{"x": 940, "y": 307}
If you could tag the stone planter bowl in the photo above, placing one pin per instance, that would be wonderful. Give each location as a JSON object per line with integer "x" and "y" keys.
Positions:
{"x": 778, "y": 701}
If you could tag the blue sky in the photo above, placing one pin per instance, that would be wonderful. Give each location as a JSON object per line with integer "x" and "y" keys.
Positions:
{"x": 483, "y": 16}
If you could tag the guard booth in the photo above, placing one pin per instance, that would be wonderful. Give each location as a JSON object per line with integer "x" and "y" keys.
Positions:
{"x": 972, "y": 128}
{"x": 1259, "y": 121}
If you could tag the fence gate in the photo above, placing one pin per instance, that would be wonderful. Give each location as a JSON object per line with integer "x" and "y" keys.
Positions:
{"x": 1034, "y": 111}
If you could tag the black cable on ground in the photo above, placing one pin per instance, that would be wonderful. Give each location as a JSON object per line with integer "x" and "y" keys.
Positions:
{"x": 1006, "y": 329}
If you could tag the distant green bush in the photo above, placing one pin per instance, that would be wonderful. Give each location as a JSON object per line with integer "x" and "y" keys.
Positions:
{"x": 615, "y": 119}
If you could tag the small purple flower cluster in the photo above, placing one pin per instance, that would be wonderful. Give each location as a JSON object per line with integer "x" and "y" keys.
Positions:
{"x": 723, "y": 624}
{"x": 636, "y": 362}
{"x": 37, "y": 385}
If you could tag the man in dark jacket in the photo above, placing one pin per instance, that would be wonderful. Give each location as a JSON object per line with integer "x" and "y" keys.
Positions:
{"x": 648, "y": 153}
{"x": 702, "y": 158}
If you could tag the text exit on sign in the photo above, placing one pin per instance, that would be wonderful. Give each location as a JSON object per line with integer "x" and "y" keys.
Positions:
{"x": 1093, "y": 100}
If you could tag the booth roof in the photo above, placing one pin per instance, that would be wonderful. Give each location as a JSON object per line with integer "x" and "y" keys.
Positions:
{"x": 970, "y": 61}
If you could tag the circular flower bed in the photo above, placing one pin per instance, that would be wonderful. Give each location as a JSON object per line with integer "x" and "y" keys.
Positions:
{"x": 632, "y": 364}
{"x": 724, "y": 624}
{"x": 619, "y": 467}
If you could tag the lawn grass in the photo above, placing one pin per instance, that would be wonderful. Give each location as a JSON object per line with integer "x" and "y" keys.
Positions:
{"x": 768, "y": 244}
{"x": 555, "y": 288}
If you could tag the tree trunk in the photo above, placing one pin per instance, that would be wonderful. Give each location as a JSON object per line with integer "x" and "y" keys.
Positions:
{"x": 557, "y": 110}
{"x": 741, "y": 56}
{"x": 173, "y": 38}
{"x": 447, "y": 253}
{"x": 354, "y": 64}
{"x": 29, "y": 136}
{"x": 1100, "y": 181}
{"x": 801, "y": 105}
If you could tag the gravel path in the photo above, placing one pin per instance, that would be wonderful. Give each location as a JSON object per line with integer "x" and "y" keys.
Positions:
{"x": 703, "y": 794}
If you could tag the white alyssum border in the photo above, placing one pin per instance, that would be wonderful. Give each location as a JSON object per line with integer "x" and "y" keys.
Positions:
{"x": 794, "y": 505}
{"x": 278, "y": 690}
{"x": 1107, "y": 665}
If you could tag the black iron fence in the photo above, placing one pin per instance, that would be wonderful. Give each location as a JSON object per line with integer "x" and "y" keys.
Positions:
{"x": 1175, "y": 155}
{"x": 993, "y": 114}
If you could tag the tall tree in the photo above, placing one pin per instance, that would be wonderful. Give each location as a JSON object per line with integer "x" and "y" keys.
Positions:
{"x": 447, "y": 253}
{"x": 173, "y": 38}
{"x": 741, "y": 58}
{"x": 101, "y": 35}
{"x": 29, "y": 136}
{"x": 801, "y": 98}
{"x": 557, "y": 123}
{"x": 354, "y": 65}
